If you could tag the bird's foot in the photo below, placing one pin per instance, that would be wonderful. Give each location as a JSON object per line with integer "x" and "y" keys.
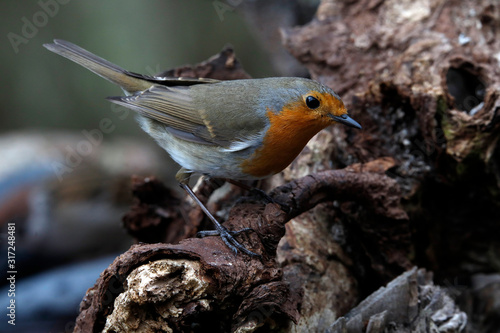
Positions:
{"x": 229, "y": 240}
{"x": 223, "y": 232}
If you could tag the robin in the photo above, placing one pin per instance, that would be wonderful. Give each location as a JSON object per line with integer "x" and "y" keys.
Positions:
{"x": 239, "y": 129}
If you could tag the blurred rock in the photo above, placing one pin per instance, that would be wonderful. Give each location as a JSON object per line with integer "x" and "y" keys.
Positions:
{"x": 49, "y": 301}
{"x": 67, "y": 194}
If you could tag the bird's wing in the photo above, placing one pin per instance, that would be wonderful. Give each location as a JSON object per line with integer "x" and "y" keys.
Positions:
{"x": 173, "y": 107}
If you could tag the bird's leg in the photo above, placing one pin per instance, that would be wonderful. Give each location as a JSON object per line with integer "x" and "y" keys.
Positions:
{"x": 223, "y": 232}
{"x": 227, "y": 236}
{"x": 257, "y": 192}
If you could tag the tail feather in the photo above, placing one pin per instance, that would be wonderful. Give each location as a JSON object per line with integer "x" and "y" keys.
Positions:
{"x": 99, "y": 66}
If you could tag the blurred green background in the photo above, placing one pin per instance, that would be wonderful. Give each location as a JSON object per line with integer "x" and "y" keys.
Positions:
{"x": 41, "y": 90}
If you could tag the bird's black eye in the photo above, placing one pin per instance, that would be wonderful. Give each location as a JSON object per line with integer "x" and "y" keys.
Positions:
{"x": 312, "y": 102}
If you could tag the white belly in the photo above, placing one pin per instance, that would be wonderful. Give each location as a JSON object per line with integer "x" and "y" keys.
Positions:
{"x": 215, "y": 161}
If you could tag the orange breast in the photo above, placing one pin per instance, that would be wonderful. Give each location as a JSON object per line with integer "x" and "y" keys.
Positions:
{"x": 289, "y": 132}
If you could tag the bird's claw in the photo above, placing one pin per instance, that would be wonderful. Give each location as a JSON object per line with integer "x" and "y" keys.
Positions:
{"x": 205, "y": 233}
{"x": 228, "y": 239}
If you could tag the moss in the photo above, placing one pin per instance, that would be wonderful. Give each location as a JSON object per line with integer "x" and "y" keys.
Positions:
{"x": 441, "y": 107}
{"x": 446, "y": 125}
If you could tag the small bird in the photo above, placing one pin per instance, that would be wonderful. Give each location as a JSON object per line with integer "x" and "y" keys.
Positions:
{"x": 238, "y": 129}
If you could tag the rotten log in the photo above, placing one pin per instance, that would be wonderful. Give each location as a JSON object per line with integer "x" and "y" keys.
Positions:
{"x": 199, "y": 282}
{"x": 411, "y": 302}
{"x": 422, "y": 77}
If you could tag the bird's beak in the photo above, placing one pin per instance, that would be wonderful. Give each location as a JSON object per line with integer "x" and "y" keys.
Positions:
{"x": 346, "y": 120}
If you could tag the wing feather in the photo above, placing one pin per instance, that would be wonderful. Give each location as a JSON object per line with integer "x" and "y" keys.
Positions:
{"x": 217, "y": 114}
{"x": 173, "y": 107}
